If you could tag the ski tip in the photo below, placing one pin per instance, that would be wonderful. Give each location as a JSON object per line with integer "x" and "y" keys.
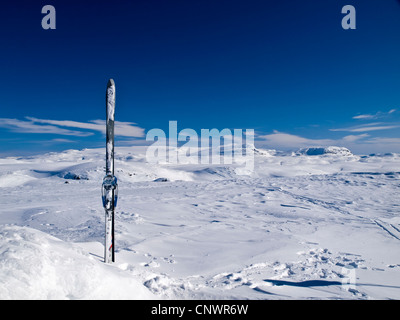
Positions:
{"x": 110, "y": 83}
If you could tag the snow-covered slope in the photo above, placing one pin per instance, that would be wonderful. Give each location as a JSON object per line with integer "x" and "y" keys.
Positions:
{"x": 296, "y": 228}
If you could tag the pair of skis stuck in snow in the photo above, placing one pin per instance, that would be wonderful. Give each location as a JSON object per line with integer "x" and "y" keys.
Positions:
{"x": 110, "y": 185}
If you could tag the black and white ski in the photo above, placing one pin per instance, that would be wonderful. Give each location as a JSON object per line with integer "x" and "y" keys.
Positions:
{"x": 110, "y": 185}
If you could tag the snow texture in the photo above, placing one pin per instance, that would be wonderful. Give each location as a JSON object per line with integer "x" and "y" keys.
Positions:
{"x": 301, "y": 226}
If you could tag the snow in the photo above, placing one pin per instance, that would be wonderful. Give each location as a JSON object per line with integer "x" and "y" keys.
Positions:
{"x": 315, "y": 224}
{"x": 35, "y": 265}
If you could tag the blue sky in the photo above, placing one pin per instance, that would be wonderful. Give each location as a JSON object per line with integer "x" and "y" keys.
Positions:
{"x": 285, "y": 68}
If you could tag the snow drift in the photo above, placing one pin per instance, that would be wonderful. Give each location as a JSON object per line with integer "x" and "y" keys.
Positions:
{"x": 34, "y": 265}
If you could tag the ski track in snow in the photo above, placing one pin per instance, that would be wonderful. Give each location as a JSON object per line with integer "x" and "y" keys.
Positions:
{"x": 295, "y": 229}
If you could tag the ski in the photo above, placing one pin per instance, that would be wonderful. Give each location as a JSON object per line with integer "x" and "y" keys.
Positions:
{"x": 110, "y": 185}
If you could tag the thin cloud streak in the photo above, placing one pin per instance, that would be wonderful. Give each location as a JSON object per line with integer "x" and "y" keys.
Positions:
{"x": 35, "y": 125}
{"x": 125, "y": 129}
{"x": 368, "y": 127}
{"x": 20, "y": 126}
{"x": 377, "y": 115}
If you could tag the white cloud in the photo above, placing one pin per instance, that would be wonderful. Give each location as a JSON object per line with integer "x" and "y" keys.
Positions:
{"x": 368, "y": 127}
{"x": 364, "y": 116}
{"x": 286, "y": 140}
{"x": 373, "y": 128}
{"x": 352, "y": 138}
{"x": 127, "y": 129}
{"x": 395, "y": 141}
{"x": 62, "y": 140}
{"x": 21, "y": 126}
{"x": 35, "y": 125}
{"x": 377, "y": 115}
{"x": 68, "y": 123}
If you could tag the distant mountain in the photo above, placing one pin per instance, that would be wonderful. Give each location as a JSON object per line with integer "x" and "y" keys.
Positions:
{"x": 316, "y": 151}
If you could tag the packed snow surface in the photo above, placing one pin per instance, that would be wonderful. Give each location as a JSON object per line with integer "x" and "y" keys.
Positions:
{"x": 321, "y": 223}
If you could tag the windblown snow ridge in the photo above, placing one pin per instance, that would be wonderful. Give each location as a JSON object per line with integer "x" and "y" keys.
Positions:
{"x": 35, "y": 265}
